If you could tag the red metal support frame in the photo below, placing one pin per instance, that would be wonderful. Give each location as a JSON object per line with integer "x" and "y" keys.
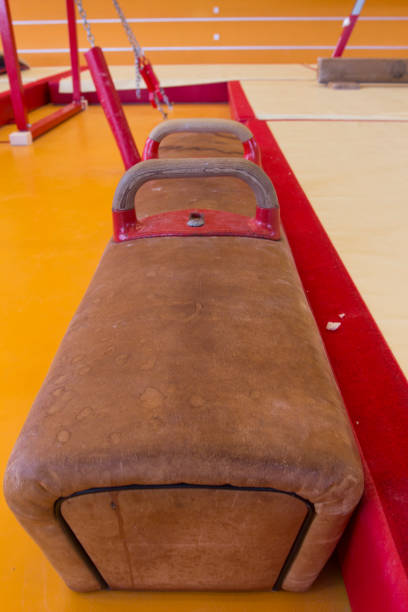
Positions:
{"x": 28, "y": 132}
{"x": 12, "y": 67}
{"x": 264, "y": 225}
{"x": 73, "y": 49}
{"x": 50, "y": 121}
{"x": 37, "y": 94}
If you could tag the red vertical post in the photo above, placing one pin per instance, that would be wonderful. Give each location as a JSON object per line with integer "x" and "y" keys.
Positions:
{"x": 348, "y": 26}
{"x": 109, "y": 99}
{"x": 73, "y": 47}
{"x": 12, "y": 67}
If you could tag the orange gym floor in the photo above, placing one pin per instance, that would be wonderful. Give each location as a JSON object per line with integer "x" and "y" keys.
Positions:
{"x": 348, "y": 150}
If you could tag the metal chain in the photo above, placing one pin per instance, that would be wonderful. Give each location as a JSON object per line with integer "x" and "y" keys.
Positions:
{"x": 166, "y": 100}
{"x": 82, "y": 13}
{"x": 137, "y": 49}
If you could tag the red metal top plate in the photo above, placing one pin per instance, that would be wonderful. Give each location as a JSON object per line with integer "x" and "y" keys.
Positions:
{"x": 216, "y": 223}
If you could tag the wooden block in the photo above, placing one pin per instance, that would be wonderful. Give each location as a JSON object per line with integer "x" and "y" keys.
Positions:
{"x": 362, "y": 70}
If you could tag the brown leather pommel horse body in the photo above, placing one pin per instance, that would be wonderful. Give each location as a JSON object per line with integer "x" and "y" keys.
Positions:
{"x": 189, "y": 433}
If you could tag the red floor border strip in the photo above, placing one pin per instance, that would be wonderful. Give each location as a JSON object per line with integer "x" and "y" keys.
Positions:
{"x": 374, "y": 551}
{"x": 241, "y": 110}
{"x": 205, "y": 93}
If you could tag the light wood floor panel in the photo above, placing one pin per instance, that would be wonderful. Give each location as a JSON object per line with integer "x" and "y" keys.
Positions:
{"x": 308, "y": 100}
{"x": 355, "y": 177}
{"x": 170, "y": 76}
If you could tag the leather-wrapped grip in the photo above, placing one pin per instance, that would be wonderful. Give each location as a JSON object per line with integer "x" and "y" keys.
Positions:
{"x": 173, "y": 126}
{"x": 200, "y": 125}
{"x": 143, "y": 172}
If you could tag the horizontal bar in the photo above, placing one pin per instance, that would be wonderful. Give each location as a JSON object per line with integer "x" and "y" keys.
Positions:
{"x": 204, "y": 20}
{"x": 50, "y": 121}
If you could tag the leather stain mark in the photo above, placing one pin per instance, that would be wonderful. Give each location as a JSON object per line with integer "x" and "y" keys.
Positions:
{"x": 122, "y": 535}
{"x": 115, "y": 438}
{"x": 84, "y": 413}
{"x": 182, "y": 311}
{"x": 151, "y": 398}
{"x": 63, "y": 436}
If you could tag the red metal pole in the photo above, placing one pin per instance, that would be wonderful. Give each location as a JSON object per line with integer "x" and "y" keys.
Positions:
{"x": 112, "y": 107}
{"x": 73, "y": 46}
{"x": 348, "y": 26}
{"x": 12, "y": 67}
{"x": 50, "y": 121}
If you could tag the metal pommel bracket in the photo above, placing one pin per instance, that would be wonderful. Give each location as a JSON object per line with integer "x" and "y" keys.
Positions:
{"x": 265, "y": 224}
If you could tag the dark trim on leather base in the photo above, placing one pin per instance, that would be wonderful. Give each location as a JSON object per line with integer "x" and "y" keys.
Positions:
{"x": 285, "y": 567}
{"x": 81, "y": 550}
{"x": 295, "y": 546}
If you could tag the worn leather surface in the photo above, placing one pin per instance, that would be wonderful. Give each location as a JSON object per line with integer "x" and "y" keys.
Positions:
{"x": 229, "y": 194}
{"x": 190, "y": 144}
{"x": 189, "y": 360}
{"x": 197, "y": 361}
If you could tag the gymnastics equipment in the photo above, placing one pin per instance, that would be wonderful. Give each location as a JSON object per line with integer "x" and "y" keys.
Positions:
{"x": 28, "y": 132}
{"x": 192, "y": 433}
{"x": 3, "y": 69}
{"x": 348, "y": 26}
{"x": 362, "y": 70}
{"x": 346, "y": 73}
{"x": 109, "y": 100}
{"x": 143, "y": 66}
{"x": 185, "y": 126}
{"x": 107, "y": 93}
{"x": 373, "y": 551}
